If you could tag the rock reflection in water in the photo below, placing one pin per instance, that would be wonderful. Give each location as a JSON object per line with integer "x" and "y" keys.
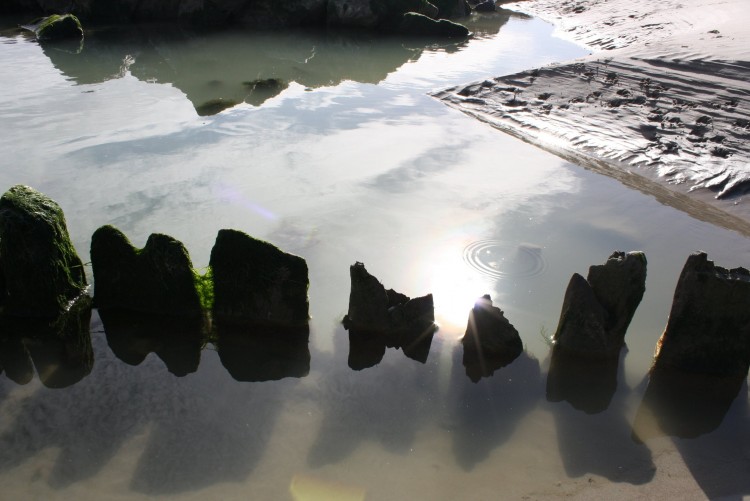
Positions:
{"x": 262, "y": 352}
{"x": 587, "y": 383}
{"x": 387, "y": 404}
{"x": 176, "y": 340}
{"x": 598, "y": 443}
{"x": 59, "y": 349}
{"x": 221, "y": 69}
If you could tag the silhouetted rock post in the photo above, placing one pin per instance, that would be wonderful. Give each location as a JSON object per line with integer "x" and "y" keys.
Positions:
{"x": 708, "y": 330}
{"x": 255, "y": 282}
{"x": 490, "y": 341}
{"x": 702, "y": 358}
{"x": 40, "y": 269}
{"x": 157, "y": 279}
{"x": 595, "y": 316}
{"x": 378, "y": 317}
{"x": 596, "y": 312}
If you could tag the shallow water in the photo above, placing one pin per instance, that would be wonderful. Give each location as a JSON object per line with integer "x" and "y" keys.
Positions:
{"x": 351, "y": 161}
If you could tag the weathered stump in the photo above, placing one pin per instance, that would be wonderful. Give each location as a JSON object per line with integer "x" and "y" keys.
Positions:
{"x": 158, "y": 279}
{"x": 41, "y": 272}
{"x": 490, "y": 342}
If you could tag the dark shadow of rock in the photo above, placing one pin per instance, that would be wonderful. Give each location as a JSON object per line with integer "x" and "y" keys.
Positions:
{"x": 177, "y": 341}
{"x": 685, "y": 404}
{"x": 387, "y": 404}
{"x": 490, "y": 342}
{"x": 208, "y": 430}
{"x": 587, "y": 383}
{"x": 60, "y": 349}
{"x": 601, "y": 443}
{"x": 483, "y": 415}
{"x": 720, "y": 460}
{"x": 88, "y": 422}
{"x": 263, "y": 353}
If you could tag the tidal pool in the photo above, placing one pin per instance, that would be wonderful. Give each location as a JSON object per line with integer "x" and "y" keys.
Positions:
{"x": 328, "y": 146}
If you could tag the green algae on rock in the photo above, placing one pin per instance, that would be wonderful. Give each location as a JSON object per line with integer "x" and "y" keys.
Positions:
{"x": 254, "y": 281}
{"x": 156, "y": 279}
{"x": 56, "y": 27}
{"x": 40, "y": 269}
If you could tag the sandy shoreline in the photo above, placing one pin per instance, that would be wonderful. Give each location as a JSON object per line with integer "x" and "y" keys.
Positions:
{"x": 661, "y": 104}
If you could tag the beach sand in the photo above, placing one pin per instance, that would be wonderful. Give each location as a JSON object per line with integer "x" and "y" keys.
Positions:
{"x": 662, "y": 103}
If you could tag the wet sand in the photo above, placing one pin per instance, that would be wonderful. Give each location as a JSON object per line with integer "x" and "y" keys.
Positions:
{"x": 661, "y": 104}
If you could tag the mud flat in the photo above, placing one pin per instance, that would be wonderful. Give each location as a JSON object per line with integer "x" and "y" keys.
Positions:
{"x": 662, "y": 103}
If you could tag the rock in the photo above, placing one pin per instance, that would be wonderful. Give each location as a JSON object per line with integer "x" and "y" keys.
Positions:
{"x": 56, "y": 27}
{"x": 214, "y": 106}
{"x": 157, "y": 279}
{"x": 256, "y": 282}
{"x": 269, "y": 14}
{"x": 420, "y": 25}
{"x": 486, "y": 6}
{"x": 39, "y": 266}
{"x": 708, "y": 330}
{"x": 382, "y": 14}
{"x": 391, "y": 317}
{"x": 597, "y": 312}
{"x": 366, "y": 349}
{"x": 452, "y": 9}
{"x": 619, "y": 285}
{"x": 491, "y": 342}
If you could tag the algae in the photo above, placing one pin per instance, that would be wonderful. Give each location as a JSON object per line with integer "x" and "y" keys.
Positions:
{"x": 56, "y": 27}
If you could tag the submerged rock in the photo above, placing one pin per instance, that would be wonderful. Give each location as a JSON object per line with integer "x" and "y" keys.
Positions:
{"x": 157, "y": 279}
{"x": 491, "y": 342}
{"x": 413, "y": 23}
{"x": 486, "y": 6}
{"x": 708, "y": 330}
{"x": 214, "y": 106}
{"x": 385, "y": 317}
{"x": 597, "y": 312}
{"x": 56, "y": 27}
{"x": 254, "y": 281}
{"x": 41, "y": 272}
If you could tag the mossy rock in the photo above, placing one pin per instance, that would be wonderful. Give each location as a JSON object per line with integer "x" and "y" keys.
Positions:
{"x": 157, "y": 279}
{"x": 421, "y": 25}
{"x": 39, "y": 266}
{"x": 254, "y": 281}
{"x": 57, "y": 27}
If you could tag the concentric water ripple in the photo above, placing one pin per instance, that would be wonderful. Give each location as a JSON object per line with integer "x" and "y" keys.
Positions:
{"x": 497, "y": 259}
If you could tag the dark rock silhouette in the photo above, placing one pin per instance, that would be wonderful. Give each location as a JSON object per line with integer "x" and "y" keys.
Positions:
{"x": 708, "y": 330}
{"x": 157, "y": 279}
{"x": 255, "y": 282}
{"x": 596, "y": 312}
{"x": 587, "y": 383}
{"x": 486, "y": 6}
{"x": 40, "y": 269}
{"x": 60, "y": 349}
{"x": 263, "y": 353}
{"x": 133, "y": 335}
{"x": 490, "y": 341}
{"x": 378, "y": 318}
{"x": 56, "y": 27}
